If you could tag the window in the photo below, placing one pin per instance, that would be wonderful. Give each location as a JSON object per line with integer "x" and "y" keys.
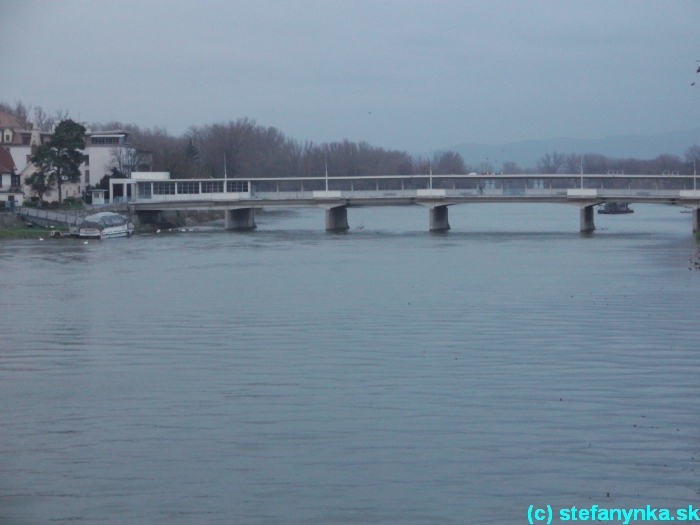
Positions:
{"x": 188, "y": 187}
{"x": 164, "y": 188}
{"x": 29, "y": 158}
{"x": 104, "y": 140}
{"x": 87, "y": 160}
{"x": 213, "y": 187}
{"x": 26, "y": 139}
{"x": 144, "y": 189}
{"x": 237, "y": 186}
{"x": 87, "y": 176}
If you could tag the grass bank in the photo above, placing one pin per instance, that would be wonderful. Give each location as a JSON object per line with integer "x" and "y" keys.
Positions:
{"x": 26, "y": 232}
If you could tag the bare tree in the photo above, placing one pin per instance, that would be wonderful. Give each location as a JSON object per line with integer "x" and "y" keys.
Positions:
{"x": 668, "y": 164}
{"x": 448, "y": 163}
{"x": 572, "y": 163}
{"x": 224, "y": 144}
{"x": 127, "y": 159}
{"x": 168, "y": 153}
{"x": 550, "y": 163}
{"x": 422, "y": 166}
{"x": 692, "y": 154}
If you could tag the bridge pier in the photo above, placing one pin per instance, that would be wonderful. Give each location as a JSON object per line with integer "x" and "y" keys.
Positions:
{"x": 337, "y": 219}
{"x": 439, "y": 219}
{"x": 696, "y": 219}
{"x": 150, "y": 217}
{"x": 239, "y": 219}
{"x": 587, "y": 223}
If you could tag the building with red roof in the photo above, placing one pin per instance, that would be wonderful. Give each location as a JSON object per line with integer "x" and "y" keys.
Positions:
{"x": 10, "y": 188}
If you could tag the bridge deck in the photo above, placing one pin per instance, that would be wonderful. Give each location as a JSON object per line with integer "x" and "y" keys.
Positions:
{"x": 240, "y": 197}
{"x": 392, "y": 190}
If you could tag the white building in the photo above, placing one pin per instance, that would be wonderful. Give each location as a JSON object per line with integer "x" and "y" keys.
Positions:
{"x": 110, "y": 149}
{"x": 122, "y": 190}
{"x": 104, "y": 150}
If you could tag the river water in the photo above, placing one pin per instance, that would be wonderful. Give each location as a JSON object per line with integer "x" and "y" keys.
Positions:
{"x": 387, "y": 375}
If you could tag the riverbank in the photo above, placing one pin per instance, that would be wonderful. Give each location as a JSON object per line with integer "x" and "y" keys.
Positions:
{"x": 12, "y": 227}
{"x": 25, "y": 232}
{"x": 21, "y": 230}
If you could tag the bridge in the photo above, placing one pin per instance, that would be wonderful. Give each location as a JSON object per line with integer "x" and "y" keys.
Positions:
{"x": 239, "y": 198}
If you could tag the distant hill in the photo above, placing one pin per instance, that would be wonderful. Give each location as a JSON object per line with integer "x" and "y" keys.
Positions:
{"x": 528, "y": 152}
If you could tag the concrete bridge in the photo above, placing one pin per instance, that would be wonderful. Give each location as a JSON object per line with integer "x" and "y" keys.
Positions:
{"x": 239, "y": 198}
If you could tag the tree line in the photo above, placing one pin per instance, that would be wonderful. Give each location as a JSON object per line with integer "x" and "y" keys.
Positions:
{"x": 243, "y": 148}
{"x": 551, "y": 163}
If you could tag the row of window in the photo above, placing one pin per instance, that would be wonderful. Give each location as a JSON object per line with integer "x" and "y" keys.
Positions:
{"x": 237, "y": 186}
{"x": 104, "y": 140}
{"x": 7, "y": 138}
{"x": 162, "y": 188}
{"x": 184, "y": 188}
{"x": 188, "y": 187}
{"x": 213, "y": 187}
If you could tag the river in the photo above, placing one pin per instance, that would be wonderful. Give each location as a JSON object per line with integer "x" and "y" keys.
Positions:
{"x": 383, "y": 376}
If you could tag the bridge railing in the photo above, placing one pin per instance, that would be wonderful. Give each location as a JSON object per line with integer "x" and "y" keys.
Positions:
{"x": 292, "y": 188}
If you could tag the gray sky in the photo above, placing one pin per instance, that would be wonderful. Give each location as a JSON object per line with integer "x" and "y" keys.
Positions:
{"x": 407, "y": 74}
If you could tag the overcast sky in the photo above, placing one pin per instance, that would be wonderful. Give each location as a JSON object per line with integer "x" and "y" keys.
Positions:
{"x": 407, "y": 74}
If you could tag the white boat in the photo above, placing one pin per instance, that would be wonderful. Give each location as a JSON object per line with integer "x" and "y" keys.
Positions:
{"x": 105, "y": 225}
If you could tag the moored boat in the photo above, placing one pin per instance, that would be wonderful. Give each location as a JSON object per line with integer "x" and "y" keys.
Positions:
{"x": 105, "y": 225}
{"x": 615, "y": 208}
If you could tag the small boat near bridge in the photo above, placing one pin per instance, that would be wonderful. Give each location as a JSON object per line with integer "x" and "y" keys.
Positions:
{"x": 614, "y": 208}
{"x": 105, "y": 225}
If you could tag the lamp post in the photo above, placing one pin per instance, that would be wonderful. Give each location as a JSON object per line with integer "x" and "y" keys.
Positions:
{"x": 430, "y": 170}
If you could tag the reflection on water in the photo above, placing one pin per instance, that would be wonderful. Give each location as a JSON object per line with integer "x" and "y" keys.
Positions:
{"x": 385, "y": 375}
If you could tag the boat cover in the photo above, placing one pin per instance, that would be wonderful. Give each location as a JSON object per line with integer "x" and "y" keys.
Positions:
{"x": 103, "y": 220}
